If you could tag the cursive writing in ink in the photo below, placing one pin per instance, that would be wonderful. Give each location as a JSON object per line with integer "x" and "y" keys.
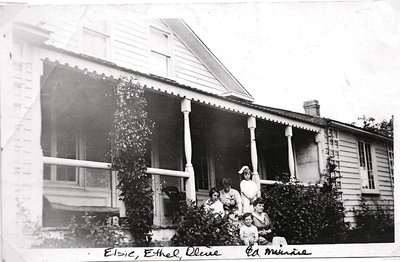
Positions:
{"x": 294, "y": 252}
{"x": 197, "y": 252}
{"x": 159, "y": 252}
{"x": 108, "y": 252}
{"x": 252, "y": 252}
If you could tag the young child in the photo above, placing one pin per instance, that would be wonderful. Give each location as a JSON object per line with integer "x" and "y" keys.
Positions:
{"x": 213, "y": 203}
{"x": 248, "y": 232}
{"x": 248, "y": 189}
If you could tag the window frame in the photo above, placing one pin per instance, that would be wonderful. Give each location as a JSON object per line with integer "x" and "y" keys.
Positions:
{"x": 79, "y": 149}
{"x": 168, "y": 55}
{"x": 373, "y": 166}
{"x": 80, "y": 145}
{"x": 92, "y": 30}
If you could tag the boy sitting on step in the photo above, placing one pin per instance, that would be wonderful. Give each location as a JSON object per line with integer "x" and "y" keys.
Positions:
{"x": 248, "y": 232}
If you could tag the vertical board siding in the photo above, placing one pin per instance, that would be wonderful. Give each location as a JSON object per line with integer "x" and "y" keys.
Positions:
{"x": 130, "y": 48}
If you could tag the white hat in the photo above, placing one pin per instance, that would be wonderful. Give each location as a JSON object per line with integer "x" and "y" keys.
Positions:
{"x": 242, "y": 169}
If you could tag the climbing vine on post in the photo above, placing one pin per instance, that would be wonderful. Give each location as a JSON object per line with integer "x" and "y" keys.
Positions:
{"x": 131, "y": 132}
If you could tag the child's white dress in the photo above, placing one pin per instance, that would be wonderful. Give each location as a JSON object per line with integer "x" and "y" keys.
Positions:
{"x": 248, "y": 188}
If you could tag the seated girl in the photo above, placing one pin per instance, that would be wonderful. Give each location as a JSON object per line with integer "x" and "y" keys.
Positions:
{"x": 213, "y": 203}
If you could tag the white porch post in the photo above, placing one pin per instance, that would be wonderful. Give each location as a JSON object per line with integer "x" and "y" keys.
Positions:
{"x": 318, "y": 140}
{"x": 190, "y": 182}
{"x": 289, "y": 134}
{"x": 251, "y": 124}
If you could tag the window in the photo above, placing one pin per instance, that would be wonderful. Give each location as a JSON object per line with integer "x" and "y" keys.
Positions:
{"x": 200, "y": 166}
{"x": 76, "y": 122}
{"x": 95, "y": 38}
{"x": 201, "y": 170}
{"x": 160, "y": 52}
{"x": 391, "y": 162}
{"x": 366, "y": 169}
{"x": 334, "y": 153}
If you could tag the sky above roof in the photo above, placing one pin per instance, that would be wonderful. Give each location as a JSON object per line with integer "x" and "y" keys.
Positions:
{"x": 345, "y": 54}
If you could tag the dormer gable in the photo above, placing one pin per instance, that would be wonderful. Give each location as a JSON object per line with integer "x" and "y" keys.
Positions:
{"x": 167, "y": 48}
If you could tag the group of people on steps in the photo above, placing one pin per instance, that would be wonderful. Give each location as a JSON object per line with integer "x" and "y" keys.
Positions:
{"x": 243, "y": 208}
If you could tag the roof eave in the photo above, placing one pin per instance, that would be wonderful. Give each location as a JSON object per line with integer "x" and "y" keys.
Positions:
{"x": 207, "y": 57}
{"x": 359, "y": 130}
{"x": 239, "y": 96}
{"x": 30, "y": 33}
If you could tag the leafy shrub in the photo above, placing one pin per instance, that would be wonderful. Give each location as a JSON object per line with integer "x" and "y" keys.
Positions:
{"x": 375, "y": 224}
{"x": 84, "y": 233}
{"x": 131, "y": 133}
{"x": 199, "y": 227}
{"x": 305, "y": 215}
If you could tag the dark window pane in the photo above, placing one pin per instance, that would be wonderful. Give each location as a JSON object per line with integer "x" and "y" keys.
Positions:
{"x": 46, "y": 172}
{"x": 66, "y": 173}
{"x": 98, "y": 178}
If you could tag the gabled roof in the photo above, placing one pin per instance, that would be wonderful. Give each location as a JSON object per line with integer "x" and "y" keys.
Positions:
{"x": 237, "y": 93}
{"x": 194, "y": 43}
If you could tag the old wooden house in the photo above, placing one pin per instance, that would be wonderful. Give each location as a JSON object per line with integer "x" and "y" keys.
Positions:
{"x": 57, "y": 65}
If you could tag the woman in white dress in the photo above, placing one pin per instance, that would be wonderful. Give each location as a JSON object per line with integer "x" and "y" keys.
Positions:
{"x": 248, "y": 189}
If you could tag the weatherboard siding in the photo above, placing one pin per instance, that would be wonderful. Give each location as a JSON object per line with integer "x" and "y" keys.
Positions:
{"x": 191, "y": 71}
{"x": 351, "y": 180}
{"x": 20, "y": 129}
{"x": 130, "y": 47}
{"x": 382, "y": 168}
{"x": 65, "y": 34}
{"x": 351, "y": 183}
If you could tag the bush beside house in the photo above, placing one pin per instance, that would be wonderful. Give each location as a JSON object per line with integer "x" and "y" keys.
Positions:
{"x": 375, "y": 224}
{"x": 132, "y": 130}
{"x": 305, "y": 215}
{"x": 85, "y": 232}
{"x": 198, "y": 227}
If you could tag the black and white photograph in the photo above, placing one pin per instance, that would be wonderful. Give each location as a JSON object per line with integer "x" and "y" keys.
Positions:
{"x": 209, "y": 130}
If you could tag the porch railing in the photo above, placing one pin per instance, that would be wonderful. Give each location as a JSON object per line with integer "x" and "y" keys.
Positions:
{"x": 101, "y": 165}
{"x": 273, "y": 182}
{"x": 107, "y": 166}
{"x": 150, "y": 170}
